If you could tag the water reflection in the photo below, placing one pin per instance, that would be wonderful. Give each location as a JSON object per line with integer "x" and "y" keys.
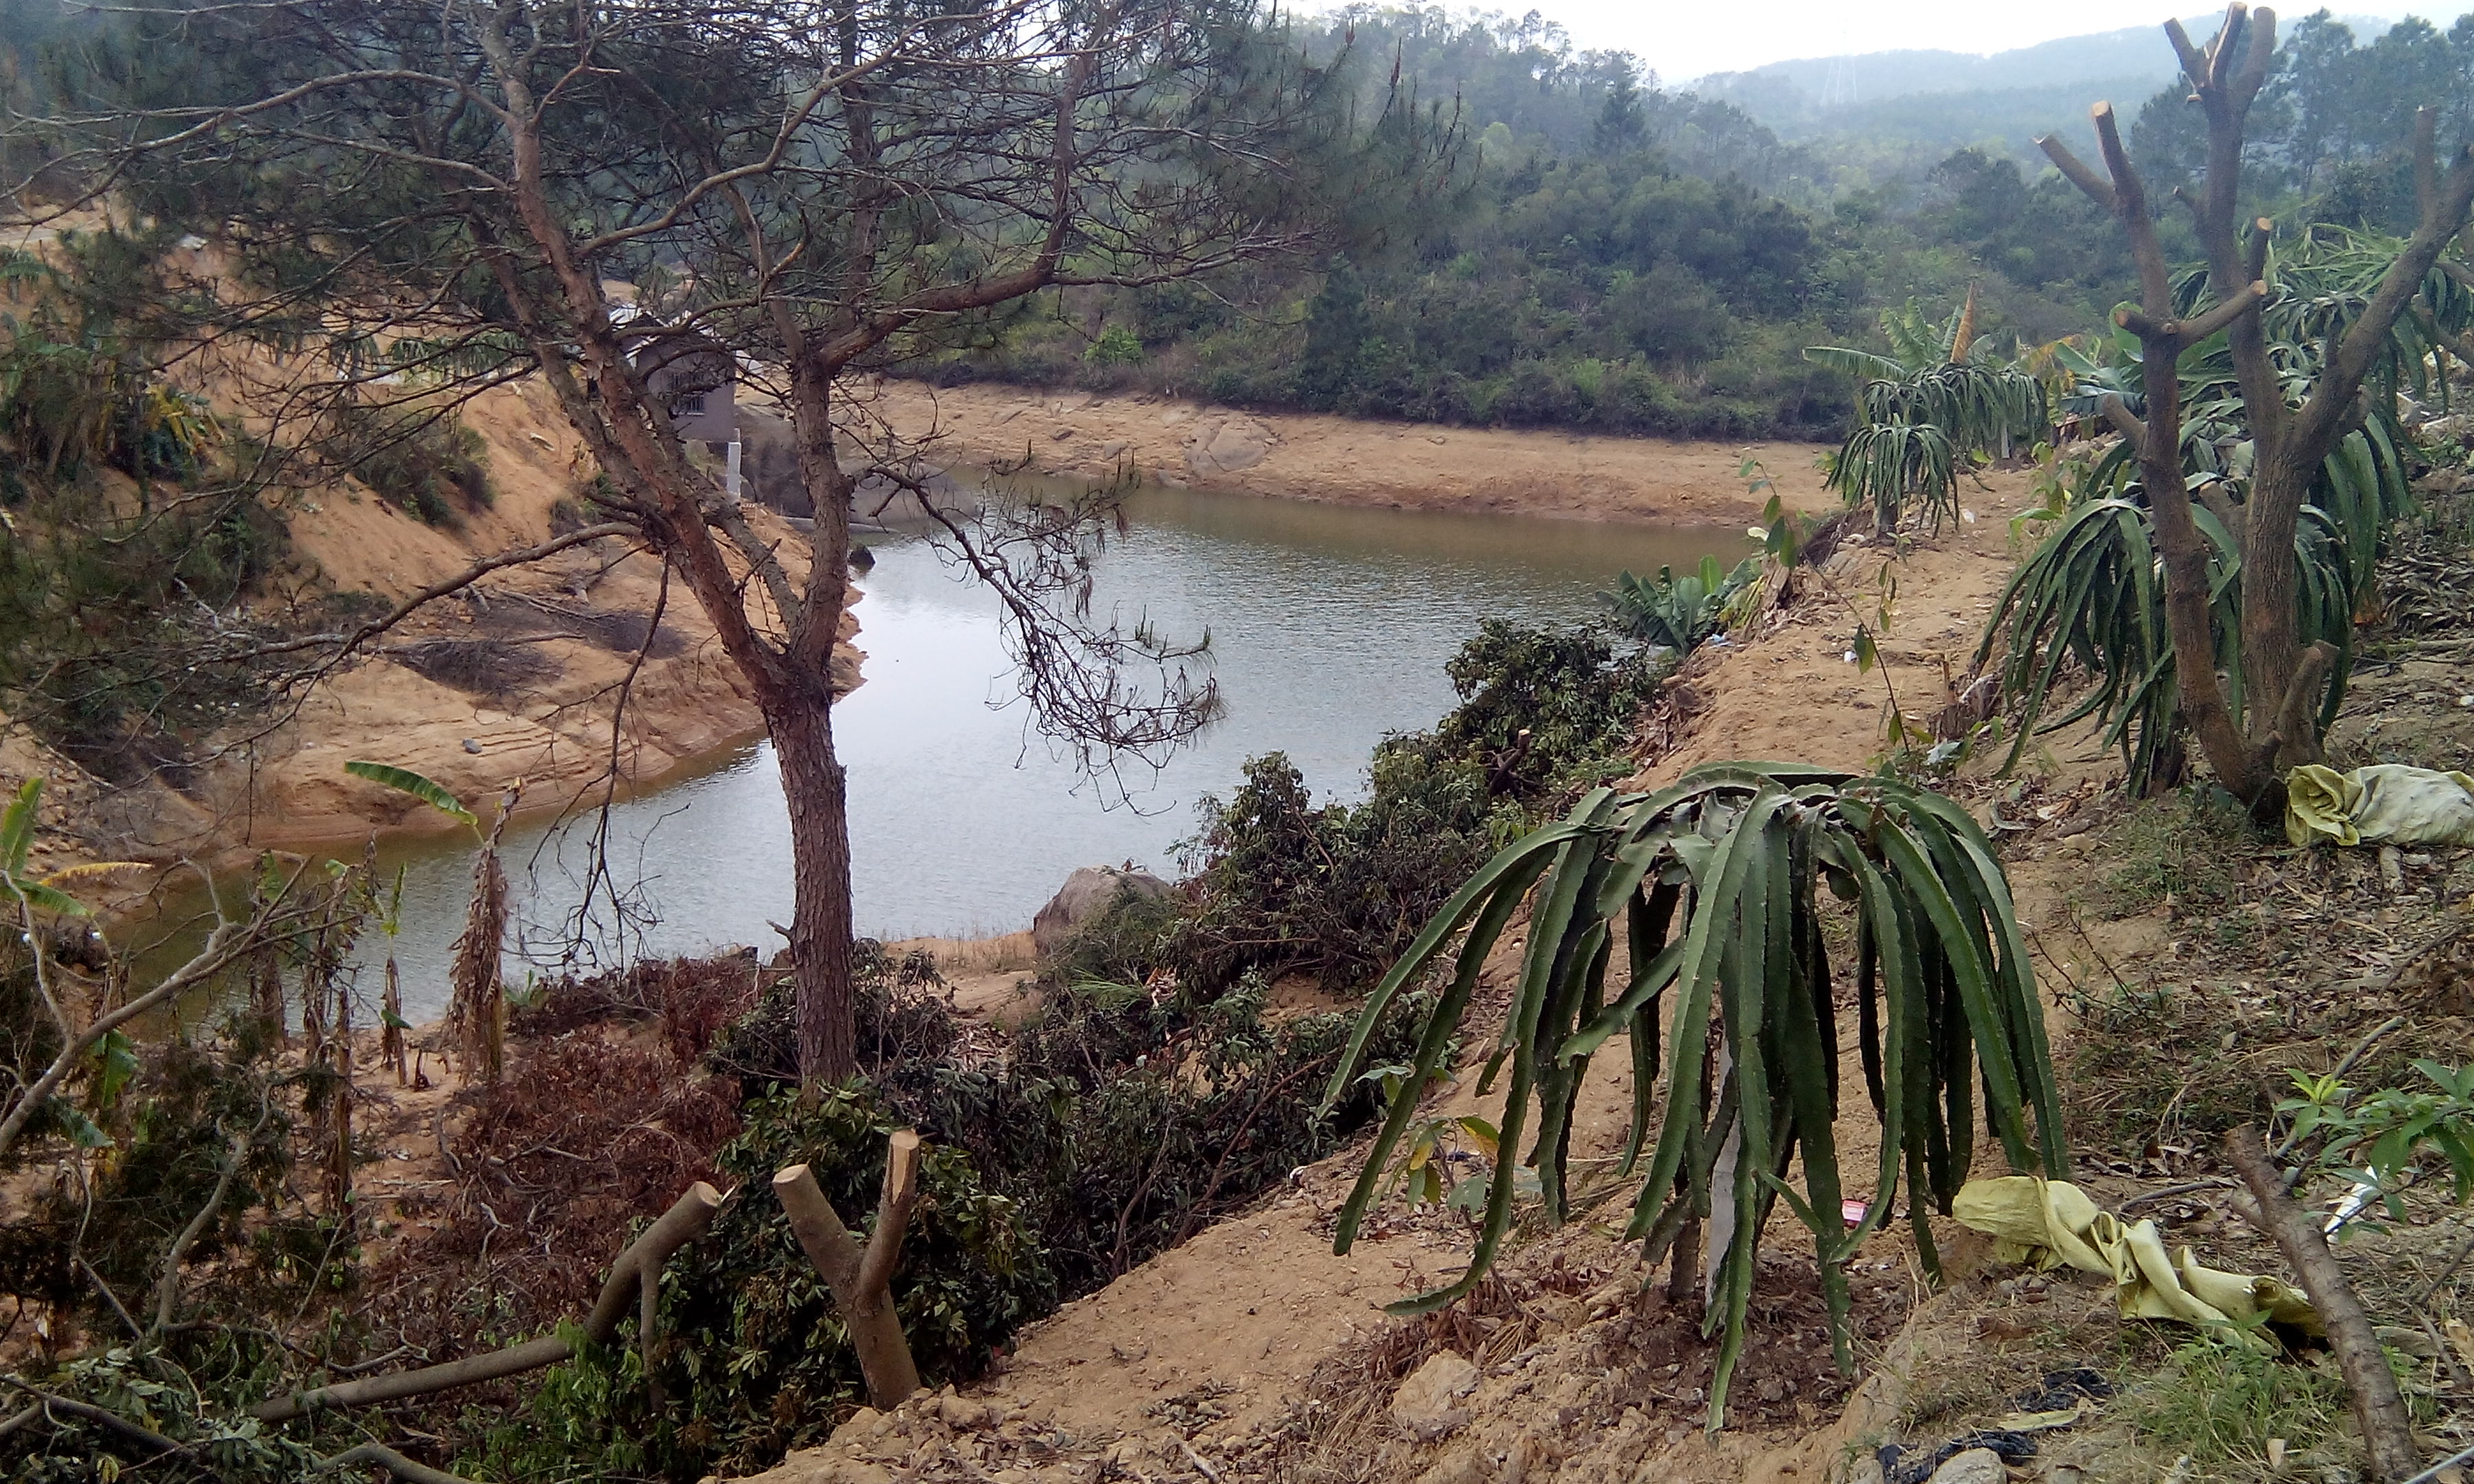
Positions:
{"x": 1329, "y": 628}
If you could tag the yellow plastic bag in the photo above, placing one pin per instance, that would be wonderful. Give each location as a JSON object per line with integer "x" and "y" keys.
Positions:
{"x": 2386, "y": 804}
{"x": 2050, "y": 1223}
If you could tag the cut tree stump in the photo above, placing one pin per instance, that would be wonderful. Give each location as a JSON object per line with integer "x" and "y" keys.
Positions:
{"x": 861, "y": 1279}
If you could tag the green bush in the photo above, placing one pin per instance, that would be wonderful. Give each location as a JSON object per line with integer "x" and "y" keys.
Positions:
{"x": 1117, "y": 346}
{"x": 1338, "y": 890}
{"x": 430, "y": 466}
{"x": 1679, "y": 613}
{"x": 101, "y": 631}
{"x": 1118, "y": 1125}
{"x": 751, "y": 1346}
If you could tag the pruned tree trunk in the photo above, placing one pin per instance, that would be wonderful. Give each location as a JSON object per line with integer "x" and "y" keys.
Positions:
{"x": 2278, "y": 727}
{"x": 2379, "y": 1406}
{"x": 391, "y": 1048}
{"x": 638, "y": 1272}
{"x": 861, "y": 1279}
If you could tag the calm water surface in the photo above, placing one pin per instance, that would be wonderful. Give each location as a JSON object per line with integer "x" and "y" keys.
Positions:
{"x": 1330, "y": 627}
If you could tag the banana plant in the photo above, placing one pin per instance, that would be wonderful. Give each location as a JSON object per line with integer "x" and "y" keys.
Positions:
{"x": 1691, "y": 922}
{"x": 476, "y": 1009}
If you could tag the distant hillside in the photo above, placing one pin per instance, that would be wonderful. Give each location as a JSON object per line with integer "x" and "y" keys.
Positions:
{"x": 1892, "y": 107}
{"x": 1835, "y": 82}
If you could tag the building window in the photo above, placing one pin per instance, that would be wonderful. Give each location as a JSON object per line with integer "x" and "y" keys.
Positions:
{"x": 692, "y": 406}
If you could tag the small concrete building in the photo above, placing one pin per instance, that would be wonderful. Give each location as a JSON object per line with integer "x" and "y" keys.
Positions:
{"x": 696, "y": 377}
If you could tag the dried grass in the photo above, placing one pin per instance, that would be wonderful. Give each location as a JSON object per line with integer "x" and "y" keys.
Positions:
{"x": 550, "y": 1168}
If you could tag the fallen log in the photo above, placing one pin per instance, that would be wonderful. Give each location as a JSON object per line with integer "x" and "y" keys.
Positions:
{"x": 2379, "y": 1407}
{"x": 636, "y": 1274}
{"x": 862, "y": 1281}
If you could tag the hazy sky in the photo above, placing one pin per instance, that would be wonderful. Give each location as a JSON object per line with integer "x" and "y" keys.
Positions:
{"x": 1684, "y": 40}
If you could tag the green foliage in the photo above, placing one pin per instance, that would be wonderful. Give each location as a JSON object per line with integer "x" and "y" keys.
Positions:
{"x": 2376, "y": 1139}
{"x": 1678, "y": 612}
{"x": 2219, "y": 1400}
{"x": 2094, "y": 590}
{"x": 1928, "y": 408}
{"x": 1117, "y": 346}
{"x": 1164, "y": 1116}
{"x": 105, "y": 649}
{"x": 78, "y": 383}
{"x": 1544, "y": 709}
{"x": 752, "y": 1350}
{"x": 404, "y": 780}
{"x": 1715, "y": 886}
{"x": 207, "y": 1414}
{"x": 428, "y": 465}
{"x": 1885, "y": 465}
{"x": 1336, "y": 890}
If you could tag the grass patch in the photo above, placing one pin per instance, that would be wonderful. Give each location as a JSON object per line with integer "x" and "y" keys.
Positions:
{"x": 2181, "y": 853}
{"x": 2221, "y": 1402}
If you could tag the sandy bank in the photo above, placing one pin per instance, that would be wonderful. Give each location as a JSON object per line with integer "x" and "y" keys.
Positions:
{"x": 1304, "y": 456}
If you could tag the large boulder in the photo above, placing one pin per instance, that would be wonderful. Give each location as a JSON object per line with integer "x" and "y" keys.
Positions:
{"x": 1086, "y": 895}
{"x": 1223, "y": 445}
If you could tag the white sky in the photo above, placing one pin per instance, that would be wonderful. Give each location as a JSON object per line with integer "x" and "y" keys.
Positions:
{"x": 1684, "y": 41}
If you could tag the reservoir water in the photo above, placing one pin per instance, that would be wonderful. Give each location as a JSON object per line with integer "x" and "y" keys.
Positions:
{"x": 1329, "y": 628}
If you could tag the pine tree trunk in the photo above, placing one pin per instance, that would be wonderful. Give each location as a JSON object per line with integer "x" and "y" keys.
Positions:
{"x": 813, "y": 783}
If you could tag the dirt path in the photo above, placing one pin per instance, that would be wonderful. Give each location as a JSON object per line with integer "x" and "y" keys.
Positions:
{"x": 1249, "y": 1317}
{"x": 1304, "y": 456}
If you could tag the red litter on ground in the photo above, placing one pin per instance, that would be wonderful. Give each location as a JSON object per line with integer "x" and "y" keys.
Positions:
{"x": 1853, "y": 1212}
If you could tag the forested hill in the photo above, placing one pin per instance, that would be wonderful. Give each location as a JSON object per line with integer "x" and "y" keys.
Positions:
{"x": 1870, "y": 116}
{"x": 1610, "y": 253}
{"x": 1630, "y": 257}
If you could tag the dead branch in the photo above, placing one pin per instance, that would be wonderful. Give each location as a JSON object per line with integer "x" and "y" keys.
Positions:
{"x": 638, "y": 1268}
{"x": 231, "y": 939}
{"x": 45, "y": 1403}
{"x": 2387, "y": 1430}
{"x": 379, "y": 1456}
{"x": 861, "y": 1280}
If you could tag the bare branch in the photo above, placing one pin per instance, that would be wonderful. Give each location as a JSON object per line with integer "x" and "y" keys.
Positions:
{"x": 2077, "y": 172}
{"x": 639, "y": 1264}
{"x": 2125, "y": 421}
{"x": 521, "y": 555}
{"x": 377, "y": 1455}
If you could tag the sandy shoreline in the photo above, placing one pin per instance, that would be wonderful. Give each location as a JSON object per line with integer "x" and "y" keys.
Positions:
{"x": 1343, "y": 460}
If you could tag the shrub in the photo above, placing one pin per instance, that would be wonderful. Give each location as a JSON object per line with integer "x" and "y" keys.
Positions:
{"x": 1338, "y": 890}
{"x": 1117, "y": 346}
{"x": 427, "y": 465}
{"x": 1679, "y": 613}
{"x": 102, "y": 628}
{"x": 1544, "y": 709}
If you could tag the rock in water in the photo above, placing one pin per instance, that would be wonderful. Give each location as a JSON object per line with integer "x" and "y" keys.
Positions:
{"x": 1425, "y": 1406}
{"x": 1086, "y": 895}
